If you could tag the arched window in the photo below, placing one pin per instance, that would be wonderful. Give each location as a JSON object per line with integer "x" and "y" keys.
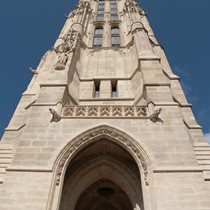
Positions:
{"x": 98, "y": 37}
{"x": 115, "y": 36}
{"x": 100, "y": 13}
{"x": 113, "y": 12}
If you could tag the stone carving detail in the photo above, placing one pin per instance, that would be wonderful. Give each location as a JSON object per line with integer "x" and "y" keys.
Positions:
{"x": 131, "y": 6}
{"x": 71, "y": 15}
{"x": 142, "y": 12}
{"x": 68, "y": 45}
{"x": 32, "y": 71}
{"x": 95, "y": 134}
{"x": 117, "y": 111}
{"x": 155, "y": 116}
{"x": 105, "y": 111}
{"x": 62, "y": 60}
{"x": 55, "y": 116}
{"x": 81, "y": 10}
{"x": 82, "y": 6}
{"x": 68, "y": 42}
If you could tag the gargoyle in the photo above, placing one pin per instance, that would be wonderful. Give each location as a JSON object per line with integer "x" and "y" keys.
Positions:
{"x": 55, "y": 116}
{"x": 32, "y": 71}
{"x": 155, "y": 116}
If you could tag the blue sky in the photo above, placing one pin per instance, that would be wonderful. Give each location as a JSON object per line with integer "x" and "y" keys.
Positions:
{"x": 29, "y": 29}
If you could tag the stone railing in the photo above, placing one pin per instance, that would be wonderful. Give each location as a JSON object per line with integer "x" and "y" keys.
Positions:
{"x": 104, "y": 111}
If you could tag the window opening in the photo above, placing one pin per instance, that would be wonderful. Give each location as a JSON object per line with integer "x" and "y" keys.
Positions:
{"x": 100, "y": 13}
{"x": 113, "y": 12}
{"x": 115, "y": 36}
{"x": 98, "y": 37}
{"x": 96, "y": 93}
{"x": 114, "y": 89}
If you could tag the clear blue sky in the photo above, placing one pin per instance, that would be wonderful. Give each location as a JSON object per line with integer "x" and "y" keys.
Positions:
{"x": 29, "y": 29}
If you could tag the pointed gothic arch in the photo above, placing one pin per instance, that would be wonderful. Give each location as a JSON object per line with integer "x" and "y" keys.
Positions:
{"x": 124, "y": 141}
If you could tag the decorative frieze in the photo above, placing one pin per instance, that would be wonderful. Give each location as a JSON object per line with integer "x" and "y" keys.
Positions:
{"x": 105, "y": 112}
{"x": 109, "y": 112}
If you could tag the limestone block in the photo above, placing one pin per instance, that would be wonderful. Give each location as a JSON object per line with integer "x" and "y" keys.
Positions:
{"x": 137, "y": 84}
{"x": 178, "y": 92}
{"x": 189, "y": 117}
{"x": 152, "y": 73}
{"x": 159, "y": 94}
{"x": 124, "y": 89}
{"x": 24, "y": 190}
{"x": 181, "y": 191}
{"x": 105, "y": 89}
{"x": 50, "y": 95}
{"x": 86, "y": 89}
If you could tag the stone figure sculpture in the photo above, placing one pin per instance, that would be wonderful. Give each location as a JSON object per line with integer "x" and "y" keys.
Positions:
{"x": 68, "y": 42}
{"x": 62, "y": 60}
{"x": 67, "y": 45}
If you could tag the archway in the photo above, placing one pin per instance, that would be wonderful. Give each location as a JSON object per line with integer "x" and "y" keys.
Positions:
{"x": 102, "y": 176}
{"x": 69, "y": 153}
{"x": 103, "y": 195}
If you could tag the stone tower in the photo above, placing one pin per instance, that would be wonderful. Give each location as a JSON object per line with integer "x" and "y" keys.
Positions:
{"x": 104, "y": 123}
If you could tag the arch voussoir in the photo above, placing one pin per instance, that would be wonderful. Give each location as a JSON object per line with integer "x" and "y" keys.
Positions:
{"x": 113, "y": 135}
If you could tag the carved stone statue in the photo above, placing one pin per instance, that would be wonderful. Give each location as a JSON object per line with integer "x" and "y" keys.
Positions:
{"x": 82, "y": 6}
{"x": 68, "y": 42}
{"x": 67, "y": 45}
{"x": 131, "y": 5}
{"x": 62, "y": 60}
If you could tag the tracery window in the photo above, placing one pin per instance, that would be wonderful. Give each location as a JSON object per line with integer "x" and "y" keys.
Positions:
{"x": 100, "y": 13}
{"x": 98, "y": 37}
{"x": 115, "y": 36}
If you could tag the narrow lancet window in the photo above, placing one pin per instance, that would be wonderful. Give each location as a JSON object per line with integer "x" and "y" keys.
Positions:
{"x": 114, "y": 89}
{"x": 98, "y": 38}
{"x": 113, "y": 12}
{"x": 96, "y": 92}
{"x": 115, "y": 37}
{"x": 100, "y": 13}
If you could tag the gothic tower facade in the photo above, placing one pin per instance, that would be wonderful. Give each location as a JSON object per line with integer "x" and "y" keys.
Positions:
{"x": 104, "y": 123}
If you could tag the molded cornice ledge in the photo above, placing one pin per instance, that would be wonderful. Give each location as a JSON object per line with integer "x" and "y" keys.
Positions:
{"x": 147, "y": 55}
{"x": 181, "y": 169}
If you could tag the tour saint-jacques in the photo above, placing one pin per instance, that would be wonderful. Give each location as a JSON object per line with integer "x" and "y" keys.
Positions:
{"x": 104, "y": 123}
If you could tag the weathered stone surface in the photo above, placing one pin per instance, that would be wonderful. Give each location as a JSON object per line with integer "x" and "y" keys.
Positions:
{"x": 104, "y": 117}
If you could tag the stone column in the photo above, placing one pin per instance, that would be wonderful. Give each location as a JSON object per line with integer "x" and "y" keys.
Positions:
{"x": 105, "y": 89}
{"x": 106, "y": 35}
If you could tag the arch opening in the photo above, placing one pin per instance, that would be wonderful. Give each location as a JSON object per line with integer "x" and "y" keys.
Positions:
{"x": 104, "y": 195}
{"x": 104, "y": 176}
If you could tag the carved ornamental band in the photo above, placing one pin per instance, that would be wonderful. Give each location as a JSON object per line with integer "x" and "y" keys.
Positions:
{"x": 105, "y": 111}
